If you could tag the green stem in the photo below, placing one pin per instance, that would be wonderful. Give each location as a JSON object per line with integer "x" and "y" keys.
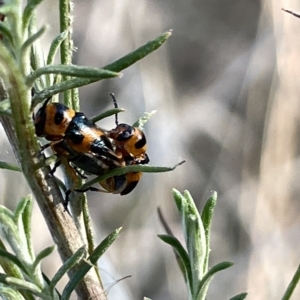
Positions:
{"x": 45, "y": 189}
{"x": 106, "y": 114}
{"x": 71, "y": 99}
{"x": 67, "y": 44}
{"x": 89, "y": 233}
{"x": 8, "y": 166}
{"x": 129, "y": 169}
{"x": 289, "y": 291}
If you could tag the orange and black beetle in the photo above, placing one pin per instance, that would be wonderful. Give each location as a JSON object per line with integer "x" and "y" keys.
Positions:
{"x": 129, "y": 141}
{"x": 73, "y": 131}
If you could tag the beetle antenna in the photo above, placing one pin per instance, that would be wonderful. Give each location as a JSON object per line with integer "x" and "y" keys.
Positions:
{"x": 116, "y": 106}
{"x": 46, "y": 102}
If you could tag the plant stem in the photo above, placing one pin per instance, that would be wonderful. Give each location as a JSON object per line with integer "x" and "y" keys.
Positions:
{"x": 70, "y": 96}
{"x": 289, "y": 291}
{"x": 71, "y": 99}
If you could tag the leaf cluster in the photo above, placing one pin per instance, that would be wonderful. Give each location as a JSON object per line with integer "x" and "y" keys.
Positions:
{"x": 193, "y": 259}
{"x": 23, "y": 277}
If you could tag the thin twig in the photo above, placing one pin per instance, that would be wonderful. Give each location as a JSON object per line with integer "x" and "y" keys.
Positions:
{"x": 291, "y": 12}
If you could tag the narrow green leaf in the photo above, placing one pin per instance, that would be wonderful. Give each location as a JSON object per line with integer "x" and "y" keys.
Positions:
{"x": 103, "y": 246}
{"x": 24, "y": 233}
{"x": 208, "y": 276}
{"x": 55, "y": 46}
{"x": 183, "y": 255}
{"x": 179, "y": 200}
{"x": 128, "y": 169}
{"x": 291, "y": 287}
{"x": 26, "y": 220}
{"x": 52, "y": 53}
{"x": 129, "y": 59}
{"x": 54, "y": 293}
{"x": 4, "y": 30}
{"x": 8, "y": 166}
{"x": 9, "y": 265}
{"x": 195, "y": 238}
{"x": 13, "y": 259}
{"x": 207, "y": 212}
{"x": 206, "y": 217}
{"x": 170, "y": 233}
{"x": 144, "y": 119}
{"x": 204, "y": 289}
{"x": 44, "y": 253}
{"x": 37, "y": 57}
{"x": 28, "y": 295}
{"x": 33, "y": 38}
{"x": 66, "y": 85}
{"x": 74, "y": 259}
{"x": 28, "y": 12}
{"x": 6, "y": 211}
{"x": 88, "y": 228}
{"x": 8, "y": 9}
{"x": 164, "y": 222}
{"x": 241, "y": 296}
{"x": 20, "y": 209}
{"x": 87, "y": 266}
{"x": 196, "y": 246}
{"x": 22, "y": 284}
{"x": 106, "y": 114}
{"x": 10, "y": 231}
{"x": 71, "y": 70}
{"x": 7, "y": 293}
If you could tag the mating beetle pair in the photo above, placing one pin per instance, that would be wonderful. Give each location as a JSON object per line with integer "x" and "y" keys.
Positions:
{"x": 90, "y": 148}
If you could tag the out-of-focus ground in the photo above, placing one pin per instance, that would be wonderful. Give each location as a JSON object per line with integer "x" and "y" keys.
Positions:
{"x": 226, "y": 87}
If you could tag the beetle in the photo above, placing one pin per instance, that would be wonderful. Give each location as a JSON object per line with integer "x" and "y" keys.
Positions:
{"x": 129, "y": 141}
{"x": 73, "y": 131}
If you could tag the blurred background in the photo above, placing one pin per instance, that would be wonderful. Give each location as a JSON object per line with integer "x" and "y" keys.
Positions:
{"x": 226, "y": 88}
